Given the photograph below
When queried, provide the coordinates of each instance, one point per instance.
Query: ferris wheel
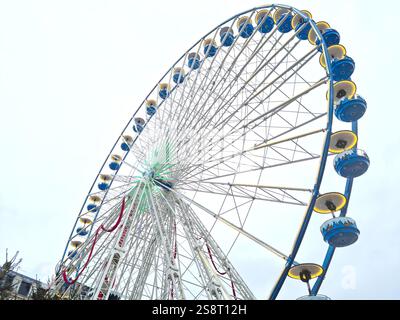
(223, 165)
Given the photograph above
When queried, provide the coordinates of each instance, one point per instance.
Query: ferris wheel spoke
(140, 233)
(277, 135)
(99, 246)
(301, 125)
(300, 76)
(175, 104)
(248, 80)
(209, 69)
(248, 190)
(256, 121)
(127, 179)
(221, 64)
(204, 74)
(172, 270)
(225, 189)
(192, 170)
(307, 57)
(270, 142)
(107, 206)
(251, 170)
(225, 263)
(248, 61)
(135, 283)
(140, 284)
(83, 250)
(206, 277)
(135, 247)
(282, 92)
(233, 114)
(96, 265)
(191, 158)
(229, 224)
(190, 237)
(113, 192)
(133, 167)
(186, 213)
(228, 102)
(229, 70)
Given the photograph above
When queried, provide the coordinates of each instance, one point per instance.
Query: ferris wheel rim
(270, 6)
(330, 112)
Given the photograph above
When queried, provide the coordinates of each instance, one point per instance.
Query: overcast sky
(72, 73)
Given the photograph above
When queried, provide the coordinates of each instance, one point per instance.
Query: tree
(6, 276)
(40, 293)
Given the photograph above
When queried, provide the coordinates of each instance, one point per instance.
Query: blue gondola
(322, 26)
(193, 60)
(340, 232)
(264, 19)
(151, 107)
(343, 69)
(127, 143)
(305, 29)
(103, 186)
(227, 36)
(352, 163)
(104, 182)
(210, 48)
(350, 110)
(245, 27)
(138, 125)
(72, 254)
(348, 105)
(331, 37)
(342, 66)
(82, 232)
(178, 75)
(283, 19)
(91, 207)
(299, 22)
(164, 90)
(115, 162)
(114, 166)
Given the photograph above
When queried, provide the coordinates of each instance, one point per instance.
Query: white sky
(72, 73)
